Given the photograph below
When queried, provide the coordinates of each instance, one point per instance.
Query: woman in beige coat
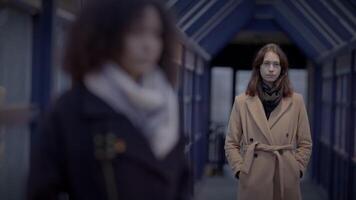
(268, 144)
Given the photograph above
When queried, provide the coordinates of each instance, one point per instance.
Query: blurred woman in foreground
(115, 134)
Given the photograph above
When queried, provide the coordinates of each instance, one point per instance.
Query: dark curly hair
(96, 36)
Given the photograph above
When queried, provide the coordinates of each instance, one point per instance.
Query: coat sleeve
(233, 139)
(303, 137)
(46, 179)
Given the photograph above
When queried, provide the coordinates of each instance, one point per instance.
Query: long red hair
(282, 82)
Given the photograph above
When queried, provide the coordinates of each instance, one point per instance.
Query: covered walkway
(319, 37)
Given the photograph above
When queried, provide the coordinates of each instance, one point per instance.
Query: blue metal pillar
(234, 79)
(332, 133)
(317, 115)
(42, 55)
(193, 121)
(352, 127)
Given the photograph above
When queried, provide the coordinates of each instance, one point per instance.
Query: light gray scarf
(150, 105)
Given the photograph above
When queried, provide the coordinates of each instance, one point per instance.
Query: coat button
(251, 139)
(255, 155)
(280, 151)
(287, 135)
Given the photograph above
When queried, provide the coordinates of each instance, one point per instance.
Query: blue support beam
(347, 48)
(317, 27)
(331, 186)
(192, 127)
(263, 11)
(42, 55)
(349, 5)
(351, 166)
(322, 36)
(205, 17)
(322, 9)
(224, 32)
(262, 25)
(263, 19)
(303, 41)
(353, 2)
(345, 13)
(180, 8)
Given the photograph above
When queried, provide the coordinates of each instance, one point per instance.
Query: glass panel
(189, 60)
(327, 70)
(299, 80)
(343, 64)
(15, 76)
(242, 79)
(14, 161)
(200, 66)
(221, 95)
(15, 55)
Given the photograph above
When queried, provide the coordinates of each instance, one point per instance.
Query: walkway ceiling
(320, 28)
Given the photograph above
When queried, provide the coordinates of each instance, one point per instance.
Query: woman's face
(270, 69)
(142, 45)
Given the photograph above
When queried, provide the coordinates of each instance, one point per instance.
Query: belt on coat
(275, 149)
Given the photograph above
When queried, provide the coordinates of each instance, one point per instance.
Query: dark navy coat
(90, 152)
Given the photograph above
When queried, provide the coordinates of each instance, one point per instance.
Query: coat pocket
(291, 170)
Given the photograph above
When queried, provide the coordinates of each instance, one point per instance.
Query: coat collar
(257, 112)
(94, 107)
(279, 111)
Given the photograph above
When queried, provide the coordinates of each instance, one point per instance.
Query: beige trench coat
(269, 154)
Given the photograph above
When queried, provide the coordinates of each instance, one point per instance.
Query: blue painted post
(352, 126)
(206, 109)
(234, 79)
(42, 55)
(316, 172)
(332, 134)
(193, 125)
(207, 81)
(181, 95)
(42, 61)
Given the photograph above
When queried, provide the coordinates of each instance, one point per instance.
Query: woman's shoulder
(241, 98)
(68, 102)
(297, 97)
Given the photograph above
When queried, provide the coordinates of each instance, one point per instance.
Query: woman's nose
(271, 68)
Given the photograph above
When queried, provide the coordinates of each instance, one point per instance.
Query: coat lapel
(257, 112)
(279, 111)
